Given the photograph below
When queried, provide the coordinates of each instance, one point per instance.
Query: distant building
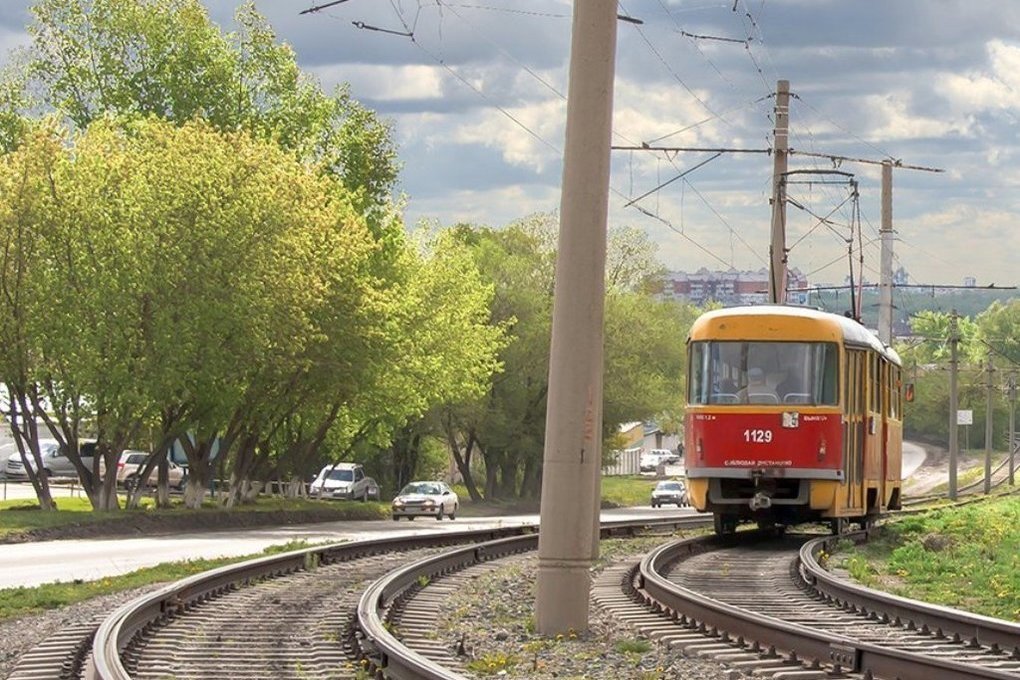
(732, 287)
(970, 282)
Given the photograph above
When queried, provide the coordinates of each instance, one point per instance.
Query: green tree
(90, 58)
(114, 63)
(644, 351)
(181, 269)
(24, 204)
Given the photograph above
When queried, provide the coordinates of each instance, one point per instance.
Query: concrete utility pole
(572, 459)
(885, 286)
(988, 428)
(954, 439)
(780, 157)
(1011, 393)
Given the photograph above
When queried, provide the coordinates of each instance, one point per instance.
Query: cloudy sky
(477, 105)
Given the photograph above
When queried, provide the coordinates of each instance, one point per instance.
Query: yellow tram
(793, 415)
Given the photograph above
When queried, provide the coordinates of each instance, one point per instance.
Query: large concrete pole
(885, 314)
(780, 153)
(572, 459)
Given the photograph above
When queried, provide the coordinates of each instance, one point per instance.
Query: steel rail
(391, 657)
(117, 631)
(120, 628)
(843, 654)
(384, 651)
(940, 621)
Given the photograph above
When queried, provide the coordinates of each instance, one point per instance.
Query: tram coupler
(760, 501)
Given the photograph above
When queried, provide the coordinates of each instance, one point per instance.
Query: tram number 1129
(758, 436)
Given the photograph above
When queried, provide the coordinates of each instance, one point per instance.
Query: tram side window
(873, 381)
(697, 372)
(897, 391)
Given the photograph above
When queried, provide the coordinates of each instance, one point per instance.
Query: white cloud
(532, 140)
(494, 207)
(895, 121)
(998, 88)
(643, 113)
(385, 83)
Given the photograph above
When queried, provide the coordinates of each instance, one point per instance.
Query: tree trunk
(463, 463)
(531, 480)
(162, 483)
(26, 437)
(251, 491)
(508, 478)
(405, 448)
(491, 477)
(240, 476)
(194, 492)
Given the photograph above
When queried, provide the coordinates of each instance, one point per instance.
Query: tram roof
(852, 331)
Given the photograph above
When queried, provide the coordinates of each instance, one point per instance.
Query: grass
(21, 516)
(966, 557)
(627, 491)
(974, 473)
(632, 646)
(25, 601)
(617, 491)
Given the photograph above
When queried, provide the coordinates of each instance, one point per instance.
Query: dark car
(669, 493)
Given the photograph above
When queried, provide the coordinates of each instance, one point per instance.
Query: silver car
(669, 493)
(425, 499)
(55, 462)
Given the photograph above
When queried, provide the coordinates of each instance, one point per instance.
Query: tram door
(874, 455)
(854, 432)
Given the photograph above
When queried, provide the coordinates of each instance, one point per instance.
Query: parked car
(669, 456)
(130, 465)
(425, 499)
(669, 492)
(55, 462)
(346, 481)
(649, 461)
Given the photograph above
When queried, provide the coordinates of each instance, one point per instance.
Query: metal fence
(626, 462)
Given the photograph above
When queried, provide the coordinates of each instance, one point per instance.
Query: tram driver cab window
(758, 391)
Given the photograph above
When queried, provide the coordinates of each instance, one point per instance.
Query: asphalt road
(29, 564)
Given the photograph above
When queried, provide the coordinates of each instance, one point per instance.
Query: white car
(345, 481)
(651, 460)
(425, 499)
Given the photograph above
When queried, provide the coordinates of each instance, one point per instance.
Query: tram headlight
(821, 450)
(699, 447)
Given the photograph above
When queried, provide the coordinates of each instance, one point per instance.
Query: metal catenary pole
(1012, 423)
(572, 457)
(954, 438)
(990, 387)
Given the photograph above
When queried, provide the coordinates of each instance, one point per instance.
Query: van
(55, 462)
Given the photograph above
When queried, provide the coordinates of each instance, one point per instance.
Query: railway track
(363, 610)
(767, 596)
(319, 612)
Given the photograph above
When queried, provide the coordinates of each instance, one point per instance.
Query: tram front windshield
(763, 373)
